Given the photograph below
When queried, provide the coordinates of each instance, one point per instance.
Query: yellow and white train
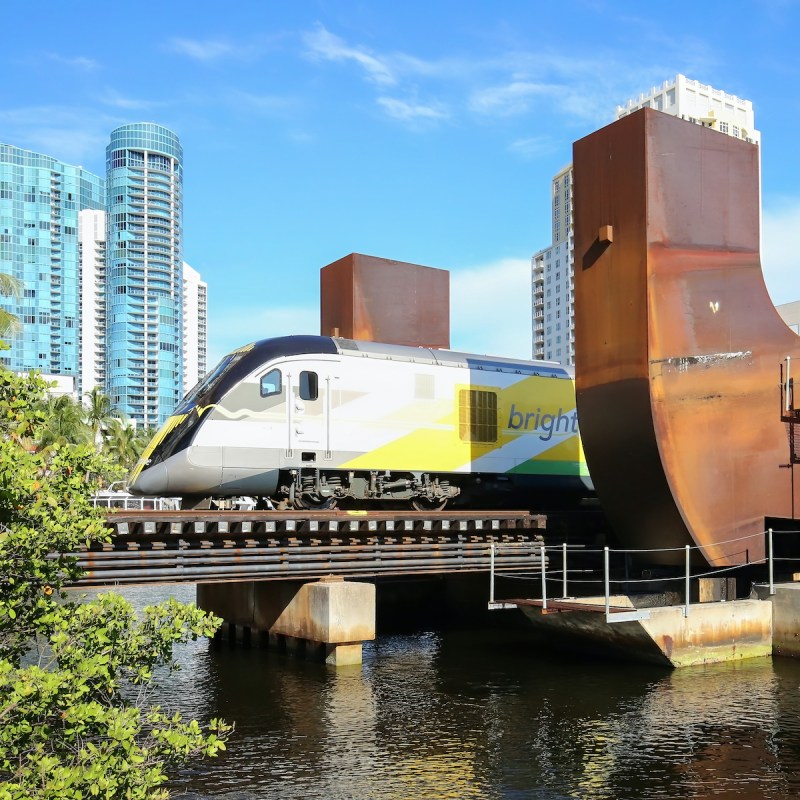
(312, 421)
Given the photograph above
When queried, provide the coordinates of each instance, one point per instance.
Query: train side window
(271, 383)
(309, 386)
(477, 415)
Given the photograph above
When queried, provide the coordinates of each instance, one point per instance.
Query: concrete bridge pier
(327, 619)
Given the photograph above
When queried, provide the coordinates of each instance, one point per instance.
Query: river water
(486, 715)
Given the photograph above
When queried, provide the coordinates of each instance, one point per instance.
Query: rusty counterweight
(677, 344)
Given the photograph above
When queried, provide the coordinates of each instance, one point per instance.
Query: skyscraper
(40, 198)
(552, 268)
(195, 327)
(144, 283)
(92, 253)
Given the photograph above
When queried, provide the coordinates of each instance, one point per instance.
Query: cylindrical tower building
(144, 291)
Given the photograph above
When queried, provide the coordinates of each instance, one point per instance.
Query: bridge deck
(207, 546)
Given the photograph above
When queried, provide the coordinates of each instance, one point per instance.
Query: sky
(425, 132)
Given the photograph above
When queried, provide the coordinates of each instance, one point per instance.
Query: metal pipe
(464, 550)
(543, 568)
(788, 383)
(197, 575)
(771, 566)
(606, 581)
(564, 570)
(491, 572)
(277, 564)
(688, 556)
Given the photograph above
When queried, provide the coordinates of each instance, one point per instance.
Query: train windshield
(213, 377)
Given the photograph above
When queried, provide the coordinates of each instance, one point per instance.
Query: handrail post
(544, 579)
(491, 573)
(686, 604)
(606, 582)
(564, 568)
(771, 566)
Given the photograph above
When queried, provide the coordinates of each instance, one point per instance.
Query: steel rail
(175, 546)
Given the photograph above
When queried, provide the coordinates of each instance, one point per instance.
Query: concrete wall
(332, 612)
(712, 633)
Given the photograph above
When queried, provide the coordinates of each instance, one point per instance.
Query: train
(316, 422)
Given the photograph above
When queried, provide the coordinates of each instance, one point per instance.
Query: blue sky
(423, 132)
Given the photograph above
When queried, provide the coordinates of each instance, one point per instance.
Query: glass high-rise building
(40, 198)
(144, 287)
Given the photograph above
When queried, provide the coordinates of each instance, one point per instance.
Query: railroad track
(209, 546)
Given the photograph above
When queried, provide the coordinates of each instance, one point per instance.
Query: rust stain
(677, 341)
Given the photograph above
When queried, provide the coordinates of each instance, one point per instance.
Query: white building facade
(552, 268)
(92, 253)
(195, 327)
(92, 248)
(554, 282)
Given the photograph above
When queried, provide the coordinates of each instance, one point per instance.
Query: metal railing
(129, 502)
(614, 613)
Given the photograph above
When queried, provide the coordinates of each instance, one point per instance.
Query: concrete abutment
(326, 619)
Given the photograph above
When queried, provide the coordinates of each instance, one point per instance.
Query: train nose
(151, 480)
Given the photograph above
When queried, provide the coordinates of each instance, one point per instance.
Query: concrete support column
(329, 618)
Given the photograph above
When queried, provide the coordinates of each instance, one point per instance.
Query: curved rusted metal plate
(677, 343)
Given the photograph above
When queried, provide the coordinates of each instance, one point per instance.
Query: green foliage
(74, 677)
(9, 287)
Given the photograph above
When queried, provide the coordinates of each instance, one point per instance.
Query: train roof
(244, 360)
(450, 358)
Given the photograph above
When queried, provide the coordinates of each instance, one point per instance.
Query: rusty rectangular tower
(379, 300)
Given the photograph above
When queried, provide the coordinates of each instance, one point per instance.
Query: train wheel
(312, 502)
(428, 504)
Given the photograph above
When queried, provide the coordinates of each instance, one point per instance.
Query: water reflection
(457, 715)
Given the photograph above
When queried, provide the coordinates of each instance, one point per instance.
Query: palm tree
(98, 414)
(65, 423)
(122, 442)
(9, 287)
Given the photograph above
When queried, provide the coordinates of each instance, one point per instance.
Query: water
(488, 715)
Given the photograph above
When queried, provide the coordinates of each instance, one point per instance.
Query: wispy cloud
(411, 112)
(508, 99)
(326, 46)
(207, 50)
(116, 100)
(532, 147)
(76, 135)
(500, 85)
(490, 308)
(79, 62)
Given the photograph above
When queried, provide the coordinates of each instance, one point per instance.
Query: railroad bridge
(282, 574)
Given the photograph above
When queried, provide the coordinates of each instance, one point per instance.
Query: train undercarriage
(313, 488)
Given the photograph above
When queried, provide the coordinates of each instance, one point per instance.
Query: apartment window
(736, 131)
(477, 415)
(723, 127)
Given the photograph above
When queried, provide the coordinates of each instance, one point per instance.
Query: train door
(309, 410)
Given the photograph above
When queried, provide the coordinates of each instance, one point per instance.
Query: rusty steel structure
(209, 546)
(677, 342)
(379, 300)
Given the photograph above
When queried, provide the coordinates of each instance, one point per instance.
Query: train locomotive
(315, 422)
